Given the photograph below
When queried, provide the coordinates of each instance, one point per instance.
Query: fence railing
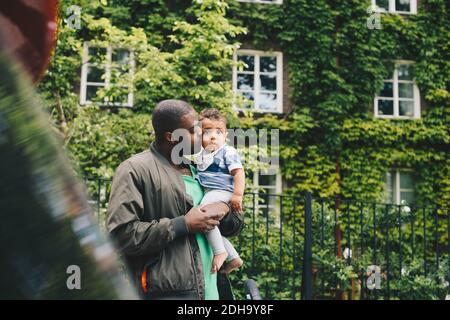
(304, 247)
(384, 251)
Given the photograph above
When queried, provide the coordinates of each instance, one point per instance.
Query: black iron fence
(313, 248)
(380, 251)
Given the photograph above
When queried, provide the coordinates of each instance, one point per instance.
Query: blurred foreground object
(50, 245)
(28, 33)
(46, 222)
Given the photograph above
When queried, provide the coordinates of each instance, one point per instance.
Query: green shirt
(195, 190)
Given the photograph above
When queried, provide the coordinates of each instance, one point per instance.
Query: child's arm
(239, 186)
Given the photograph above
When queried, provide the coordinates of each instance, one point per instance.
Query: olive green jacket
(146, 220)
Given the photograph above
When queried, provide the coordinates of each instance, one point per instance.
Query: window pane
(249, 61)
(403, 5)
(406, 180)
(406, 197)
(385, 107)
(404, 72)
(96, 55)
(405, 90)
(267, 179)
(268, 64)
(245, 82)
(91, 93)
(121, 56)
(406, 108)
(268, 82)
(268, 101)
(388, 90)
(95, 74)
(383, 4)
(390, 187)
(248, 95)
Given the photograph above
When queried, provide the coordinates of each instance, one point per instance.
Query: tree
(100, 138)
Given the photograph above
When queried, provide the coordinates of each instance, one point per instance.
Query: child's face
(214, 134)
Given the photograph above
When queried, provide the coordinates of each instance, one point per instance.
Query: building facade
(361, 89)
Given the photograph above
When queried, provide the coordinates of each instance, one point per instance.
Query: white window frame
(397, 184)
(393, 10)
(278, 188)
(272, 209)
(257, 84)
(263, 1)
(84, 74)
(395, 81)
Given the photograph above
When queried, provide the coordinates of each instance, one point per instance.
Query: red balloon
(28, 33)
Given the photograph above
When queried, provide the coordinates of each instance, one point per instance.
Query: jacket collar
(164, 160)
(172, 171)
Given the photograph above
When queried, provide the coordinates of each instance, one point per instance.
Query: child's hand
(236, 203)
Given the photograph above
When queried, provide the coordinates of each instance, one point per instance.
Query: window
(267, 184)
(399, 97)
(263, 1)
(260, 80)
(400, 187)
(107, 68)
(397, 6)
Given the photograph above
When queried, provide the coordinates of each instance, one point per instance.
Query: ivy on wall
(331, 143)
(336, 67)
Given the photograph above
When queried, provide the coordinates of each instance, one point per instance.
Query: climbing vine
(331, 143)
(336, 66)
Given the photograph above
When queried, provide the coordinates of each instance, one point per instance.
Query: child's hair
(212, 114)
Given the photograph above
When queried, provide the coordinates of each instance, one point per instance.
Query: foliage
(103, 138)
(193, 70)
(336, 67)
(331, 144)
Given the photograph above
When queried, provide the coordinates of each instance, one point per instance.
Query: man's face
(189, 133)
(214, 134)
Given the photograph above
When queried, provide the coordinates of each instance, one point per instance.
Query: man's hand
(198, 220)
(236, 203)
(217, 209)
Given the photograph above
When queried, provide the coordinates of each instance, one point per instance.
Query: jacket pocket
(143, 277)
(174, 270)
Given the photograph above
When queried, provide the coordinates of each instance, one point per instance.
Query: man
(153, 219)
